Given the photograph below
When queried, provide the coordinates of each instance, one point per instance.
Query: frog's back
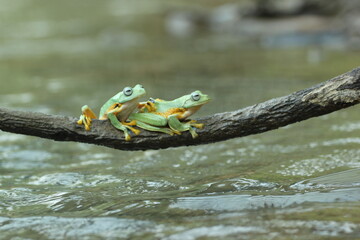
(165, 106)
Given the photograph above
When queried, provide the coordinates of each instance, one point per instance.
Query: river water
(298, 182)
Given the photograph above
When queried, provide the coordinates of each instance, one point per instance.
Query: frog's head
(130, 93)
(195, 99)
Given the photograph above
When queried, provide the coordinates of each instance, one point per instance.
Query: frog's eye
(195, 96)
(127, 91)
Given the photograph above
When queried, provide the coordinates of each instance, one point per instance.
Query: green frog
(169, 116)
(117, 109)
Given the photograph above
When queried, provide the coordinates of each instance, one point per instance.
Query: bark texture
(337, 93)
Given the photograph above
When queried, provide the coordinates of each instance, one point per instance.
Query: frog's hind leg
(190, 126)
(156, 129)
(86, 117)
(123, 126)
(152, 122)
(131, 123)
(115, 122)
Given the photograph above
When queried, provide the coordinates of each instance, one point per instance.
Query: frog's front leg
(123, 126)
(190, 126)
(148, 106)
(152, 122)
(86, 117)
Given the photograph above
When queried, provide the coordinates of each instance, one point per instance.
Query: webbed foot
(150, 106)
(190, 126)
(131, 123)
(193, 132)
(86, 117)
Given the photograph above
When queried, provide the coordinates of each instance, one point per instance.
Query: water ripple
(74, 228)
(72, 179)
(214, 231)
(308, 167)
(349, 178)
(247, 202)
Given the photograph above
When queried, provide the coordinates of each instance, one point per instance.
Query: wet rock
(352, 20)
(275, 23)
(278, 8)
(314, 27)
(323, 7)
(271, 8)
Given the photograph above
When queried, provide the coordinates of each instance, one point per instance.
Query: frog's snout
(207, 98)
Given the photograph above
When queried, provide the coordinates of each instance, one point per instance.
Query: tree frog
(117, 109)
(157, 114)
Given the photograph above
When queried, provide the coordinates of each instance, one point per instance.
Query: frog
(170, 116)
(117, 109)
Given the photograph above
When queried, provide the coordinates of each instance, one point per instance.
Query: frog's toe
(197, 125)
(80, 121)
(193, 132)
(127, 136)
(131, 123)
(175, 132)
(88, 120)
(86, 117)
(150, 106)
(83, 120)
(87, 123)
(134, 130)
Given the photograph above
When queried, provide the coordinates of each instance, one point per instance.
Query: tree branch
(340, 92)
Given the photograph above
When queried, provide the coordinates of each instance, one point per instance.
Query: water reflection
(248, 202)
(349, 178)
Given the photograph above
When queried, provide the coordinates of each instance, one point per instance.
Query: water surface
(298, 181)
